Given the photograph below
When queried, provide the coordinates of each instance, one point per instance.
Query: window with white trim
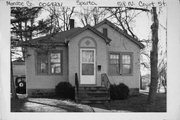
(120, 63)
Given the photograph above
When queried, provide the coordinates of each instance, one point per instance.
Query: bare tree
(162, 75)
(13, 88)
(91, 15)
(58, 19)
(162, 66)
(154, 51)
(154, 58)
(124, 18)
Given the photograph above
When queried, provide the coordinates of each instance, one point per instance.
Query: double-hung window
(114, 65)
(120, 63)
(55, 63)
(49, 63)
(42, 63)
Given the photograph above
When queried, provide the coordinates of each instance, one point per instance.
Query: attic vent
(105, 32)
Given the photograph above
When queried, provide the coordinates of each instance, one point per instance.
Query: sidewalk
(100, 110)
(105, 110)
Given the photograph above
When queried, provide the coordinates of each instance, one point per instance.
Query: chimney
(105, 32)
(71, 23)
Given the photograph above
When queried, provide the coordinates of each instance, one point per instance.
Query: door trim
(80, 67)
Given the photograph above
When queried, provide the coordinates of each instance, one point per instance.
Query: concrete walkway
(100, 109)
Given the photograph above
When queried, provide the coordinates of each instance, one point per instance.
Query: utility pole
(154, 57)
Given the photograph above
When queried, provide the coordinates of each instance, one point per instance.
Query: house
(89, 53)
(18, 68)
(145, 79)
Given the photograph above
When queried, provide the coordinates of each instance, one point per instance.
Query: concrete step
(95, 94)
(93, 91)
(92, 88)
(94, 100)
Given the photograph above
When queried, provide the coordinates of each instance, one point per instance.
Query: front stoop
(93, 95)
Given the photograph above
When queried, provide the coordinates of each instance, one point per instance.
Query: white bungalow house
(96, 54)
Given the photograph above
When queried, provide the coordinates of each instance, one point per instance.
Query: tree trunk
(154, 59)
(13, 89)
(141, 87)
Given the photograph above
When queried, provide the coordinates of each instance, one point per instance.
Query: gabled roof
(62, 38)
(95, 31)
(58, 38)
(65, 36)
(105, 21)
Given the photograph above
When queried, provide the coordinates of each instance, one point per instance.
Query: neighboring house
(18, 68)
(145, 79)
(89, 52)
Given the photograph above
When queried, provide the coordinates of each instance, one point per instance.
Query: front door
(87, 66)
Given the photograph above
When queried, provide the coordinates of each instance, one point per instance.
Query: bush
(65, 90)
(119, 92)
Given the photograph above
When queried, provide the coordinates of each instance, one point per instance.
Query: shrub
(65, 90)
(119, 92)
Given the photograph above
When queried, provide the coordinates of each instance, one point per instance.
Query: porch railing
(105, 80)
(76, 86)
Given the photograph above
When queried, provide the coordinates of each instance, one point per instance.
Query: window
(114, 67)
(42, 63)
(49, 62)
(55, 61)
(120, 63)
(87, 62)
(126, 64)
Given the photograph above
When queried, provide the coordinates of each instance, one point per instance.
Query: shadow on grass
(136, 104)
(17, 105)
(132, 104)
(68, 108)
(44, 106)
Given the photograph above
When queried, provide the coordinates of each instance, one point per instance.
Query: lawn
(135, 104)
(132, 104)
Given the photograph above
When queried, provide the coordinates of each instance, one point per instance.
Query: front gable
(92, 30)
(87, 39)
